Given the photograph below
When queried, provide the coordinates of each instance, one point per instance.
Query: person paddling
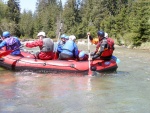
(64, 38)
(104, 48)
(45, 44)
(82, 56)
(11, 43)
(69, 50)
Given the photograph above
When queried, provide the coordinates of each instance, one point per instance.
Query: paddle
(89, 54)
(5, 53)
(55, 55)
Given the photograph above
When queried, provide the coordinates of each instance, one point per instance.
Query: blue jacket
(11, 43)
(60, 46)
(70, 48)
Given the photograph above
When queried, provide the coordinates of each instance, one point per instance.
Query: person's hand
(90, 58)
(24, 44)
(92, 53)
(88, 33)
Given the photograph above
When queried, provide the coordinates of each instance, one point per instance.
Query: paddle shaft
(89, 54)
(8, 52)
(57, 40)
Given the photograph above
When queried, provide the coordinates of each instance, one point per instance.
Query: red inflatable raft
(28, 62)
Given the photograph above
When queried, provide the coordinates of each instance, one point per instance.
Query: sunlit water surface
(126, 91)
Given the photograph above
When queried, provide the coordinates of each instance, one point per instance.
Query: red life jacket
(110, 48)
(108, 51)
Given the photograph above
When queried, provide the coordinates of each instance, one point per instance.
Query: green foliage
(71, 16)
(13, 11)
(46, 17)
(141, 25)
(7, 25)
(2, 15)
(127, 21)
(26, 19)
(128, 38)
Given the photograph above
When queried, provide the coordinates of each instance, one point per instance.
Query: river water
(126, 91)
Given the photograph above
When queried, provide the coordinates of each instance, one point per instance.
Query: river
(126, 91)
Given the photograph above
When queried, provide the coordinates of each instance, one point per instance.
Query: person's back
(11, 43)
(69, 51)
(48, 45)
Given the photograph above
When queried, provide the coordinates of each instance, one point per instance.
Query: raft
(28, 62)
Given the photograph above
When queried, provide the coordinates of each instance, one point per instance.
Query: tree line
(126, 21)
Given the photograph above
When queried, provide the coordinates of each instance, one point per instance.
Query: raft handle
(44, 64)
(72, 66)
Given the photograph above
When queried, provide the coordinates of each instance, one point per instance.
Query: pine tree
(141, 26)
(26, 24)
(71, 16)
(13, 10)
(3, 8)
(46, 17)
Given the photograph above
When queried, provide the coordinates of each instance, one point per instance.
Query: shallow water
(126, 91)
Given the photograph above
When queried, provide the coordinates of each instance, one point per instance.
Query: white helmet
(41, 34)
(106, 35)
(72, 37)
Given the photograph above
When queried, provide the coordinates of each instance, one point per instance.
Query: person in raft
(82, 56)
(64, 38)
(69, 50)
(96, 40)
(46, 46)
(104, 48)
(11, 43)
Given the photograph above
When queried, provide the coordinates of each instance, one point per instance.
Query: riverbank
(144, 46)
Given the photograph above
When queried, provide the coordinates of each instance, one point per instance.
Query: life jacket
(108, 51)
(69, 48)
(12, 43)
(48, 45)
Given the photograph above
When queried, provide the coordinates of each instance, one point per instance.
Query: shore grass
(145, 46)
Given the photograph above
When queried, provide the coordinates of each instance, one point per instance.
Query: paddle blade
(5, 53)
(90, 73)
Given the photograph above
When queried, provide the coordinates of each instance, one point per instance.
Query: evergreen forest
(126, 21)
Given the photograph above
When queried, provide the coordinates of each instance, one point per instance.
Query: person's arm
(100, 50)
(59, 48)
(2, 44)
(76, 51)
(34, 44)
(93, 40)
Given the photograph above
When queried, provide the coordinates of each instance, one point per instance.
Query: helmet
(101, 33)
(41, 34)
(63, 36)
(66, 37)
(72, 37)
(106, 35)
(6, 34)
(81, 54)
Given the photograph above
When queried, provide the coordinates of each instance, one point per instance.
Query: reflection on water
(126, 91)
